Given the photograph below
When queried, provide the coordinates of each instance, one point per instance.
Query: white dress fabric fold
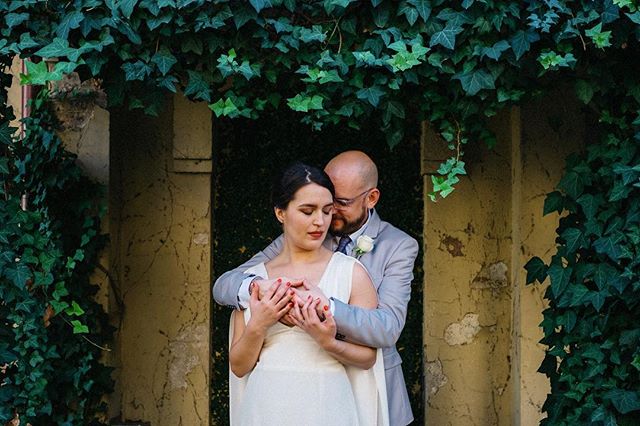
(296, 382)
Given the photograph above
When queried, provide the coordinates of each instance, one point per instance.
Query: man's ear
(279, 214)
(372, 198)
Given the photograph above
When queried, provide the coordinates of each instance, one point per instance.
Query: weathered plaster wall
(467, 291)
(481, 321)
(15, 91)
(551, 130)
(160, 222)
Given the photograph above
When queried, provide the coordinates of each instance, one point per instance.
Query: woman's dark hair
(295, 177)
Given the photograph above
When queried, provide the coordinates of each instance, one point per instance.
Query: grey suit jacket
(390, 265)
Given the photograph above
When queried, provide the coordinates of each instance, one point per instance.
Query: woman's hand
(306, 317)
(269, 309)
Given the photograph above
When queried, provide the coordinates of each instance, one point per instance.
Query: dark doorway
(246, 154)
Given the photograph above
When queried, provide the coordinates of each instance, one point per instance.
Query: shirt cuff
(244, 297)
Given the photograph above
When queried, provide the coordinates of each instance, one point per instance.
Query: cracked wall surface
(550, 132)
(481, 321)
(161, 257)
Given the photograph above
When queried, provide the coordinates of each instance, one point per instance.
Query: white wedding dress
(296, 382)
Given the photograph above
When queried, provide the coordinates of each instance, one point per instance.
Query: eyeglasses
(343, 203)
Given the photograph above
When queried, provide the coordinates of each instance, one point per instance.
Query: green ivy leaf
(584, 90)
(6, 133)
(224, 108)
(380, 16)
(635, 17)
(597, 298)
(423, 7)
(341, 3)
(314, 34)
(474, 81)
(572, 184)
(126, 7)
(74, 309)
(609, 245)
(56, 49)
(559, 277)
(19, 275)
(625, 401)
(258, 5)
(136, 70)
(305, 103)
(242, 14)
(574, 239)
(553, 203)
(70, 21)
(79, 328)
(410, 12)
(396, 109)
(600, 38)
(164, 60)
(15, 19)
(536, 270)
(494, 52)
(445, 37)
(578, 295)
(59, 292)
(198, 86)
(521, 43)
(589, 204)
(371, 94)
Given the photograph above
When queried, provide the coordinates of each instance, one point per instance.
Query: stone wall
(480, 320)
(160, 253)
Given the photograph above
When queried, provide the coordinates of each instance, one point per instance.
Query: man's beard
(348, 227)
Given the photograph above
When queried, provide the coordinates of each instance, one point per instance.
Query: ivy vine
(454, 64)
(53, 333)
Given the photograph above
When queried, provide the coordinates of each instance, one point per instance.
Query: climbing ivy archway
(333, 61)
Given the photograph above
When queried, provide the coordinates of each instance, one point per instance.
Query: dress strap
(337, 278)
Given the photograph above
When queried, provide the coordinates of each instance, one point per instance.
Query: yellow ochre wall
(160, 208)
(480, 320)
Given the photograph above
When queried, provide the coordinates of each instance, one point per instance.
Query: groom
(389, 262)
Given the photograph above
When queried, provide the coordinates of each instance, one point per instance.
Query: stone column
(481, 321)
(467, 293)
(551, 129)
(161, 224)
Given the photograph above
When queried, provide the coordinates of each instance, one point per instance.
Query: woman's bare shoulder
(363, 293)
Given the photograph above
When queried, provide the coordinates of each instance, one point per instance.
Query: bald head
(355, 167)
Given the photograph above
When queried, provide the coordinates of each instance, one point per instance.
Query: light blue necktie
(342, 245)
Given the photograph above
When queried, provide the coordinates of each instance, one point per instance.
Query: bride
(284, 375)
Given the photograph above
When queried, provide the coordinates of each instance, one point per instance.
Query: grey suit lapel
(371, 229)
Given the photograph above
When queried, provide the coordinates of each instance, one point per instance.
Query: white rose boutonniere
(364, 244)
